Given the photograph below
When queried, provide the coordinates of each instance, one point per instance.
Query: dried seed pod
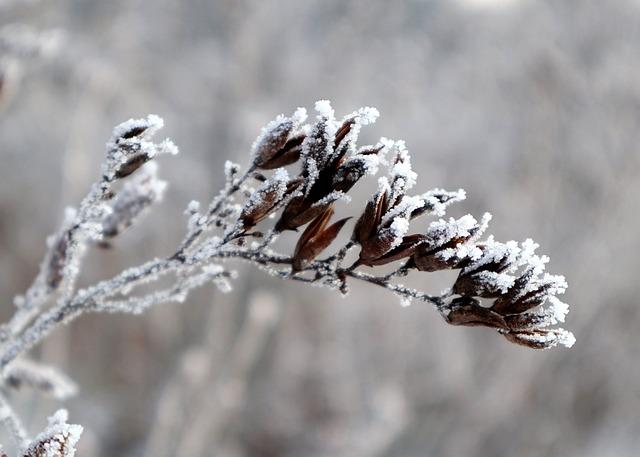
(449, 243)
(343, 131)
(527, 321)
(267, 198)
(436, 201)
(287, 155)
(401, 177)
(130, 147)
(375, 248)
(381, 229)
(540, 338)
(327, 171)
(369, 221)
(485, 284)
(134, 162)
(468, 311)
(272, 140)
(299, 212)
(316, 150)
(383, 225)
(316, 238)
(348, 174)
(277, 139)
(533, 293)
(405, 249)
(59, 439)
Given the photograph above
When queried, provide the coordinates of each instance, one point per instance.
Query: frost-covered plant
(298, 172)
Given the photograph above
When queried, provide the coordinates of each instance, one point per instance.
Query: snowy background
(532, 107)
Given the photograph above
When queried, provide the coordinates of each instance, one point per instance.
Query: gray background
(532, 107)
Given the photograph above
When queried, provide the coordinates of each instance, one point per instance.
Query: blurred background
(533, 107)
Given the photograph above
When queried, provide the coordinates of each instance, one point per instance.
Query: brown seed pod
(316, 238)
(468, 312)
(267, 199)
(287, 155)
(132, 164)
(405, 249)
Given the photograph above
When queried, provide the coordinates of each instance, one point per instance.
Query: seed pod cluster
(331, 164)
(268, 198)
(512, 275)
(130, 147)
(523, 303)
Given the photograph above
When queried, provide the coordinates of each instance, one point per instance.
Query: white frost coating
(274, 188)
(529, 259)
(280, 175)
(216, 273)
(334, 196)
(69, 215)
(44, 378)
(439, 199)
(494, 252)
(193, 207)
(356, 167)
(59, 439)
(397, 220)
(277, 127)
(402, 175)
(321, 134)
(557, 283)
(566, 338)
(140, 132)
(442, 231)
(148, 179)
(231, 168)
(371, 163)
(138, 193)
(152, 124)
(324, 109)
(299, 116)
(558, 308)
(363, 116)
(550, 338)
(383, 185)
(403, 209)
(367, 115)
(399, 227)
(492, 281)
(482, 227)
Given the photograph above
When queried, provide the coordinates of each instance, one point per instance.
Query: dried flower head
(59, 439)
(501, 286)
(130, 147)
(331, 165)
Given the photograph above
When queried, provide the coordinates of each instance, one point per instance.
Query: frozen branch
(523, 300)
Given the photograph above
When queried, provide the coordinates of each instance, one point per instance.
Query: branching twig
(524, 301)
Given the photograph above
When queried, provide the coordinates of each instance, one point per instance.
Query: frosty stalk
(299, 172)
